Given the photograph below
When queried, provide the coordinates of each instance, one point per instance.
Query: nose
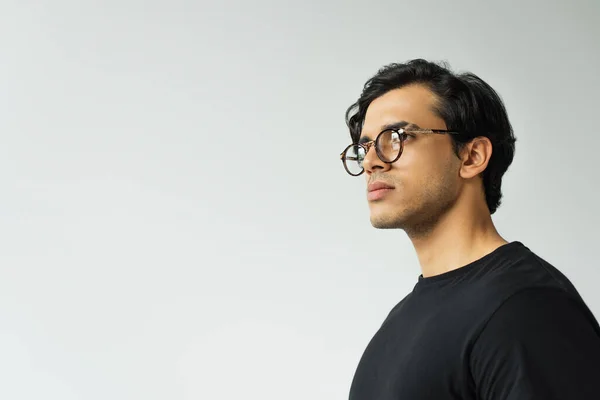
(372, 162)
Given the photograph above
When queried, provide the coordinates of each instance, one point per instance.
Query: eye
(401, 136)
(396, 139)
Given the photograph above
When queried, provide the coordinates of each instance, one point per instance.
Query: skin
(438, 197)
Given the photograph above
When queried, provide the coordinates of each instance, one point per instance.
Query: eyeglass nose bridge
(368, 145)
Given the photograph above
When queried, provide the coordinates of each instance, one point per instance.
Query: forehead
(413, 104)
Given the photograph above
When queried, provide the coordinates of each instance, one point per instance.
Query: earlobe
(475, 157)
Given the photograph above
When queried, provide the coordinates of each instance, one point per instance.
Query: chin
(382, 220)
(391, 215)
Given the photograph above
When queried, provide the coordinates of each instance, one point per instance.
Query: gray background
(175, 222)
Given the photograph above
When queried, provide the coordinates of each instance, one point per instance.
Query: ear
(475, 157)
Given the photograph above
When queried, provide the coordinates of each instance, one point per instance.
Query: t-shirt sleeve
(541, 344)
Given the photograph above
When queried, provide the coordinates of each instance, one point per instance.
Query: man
(488, 319)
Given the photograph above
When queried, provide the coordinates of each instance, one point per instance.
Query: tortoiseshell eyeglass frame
(403, 132)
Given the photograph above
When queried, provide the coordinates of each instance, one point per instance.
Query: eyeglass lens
(388, 147)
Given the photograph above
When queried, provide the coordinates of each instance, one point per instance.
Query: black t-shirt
(507, 326)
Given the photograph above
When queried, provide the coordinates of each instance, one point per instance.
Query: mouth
(378, 190)
(378, 194)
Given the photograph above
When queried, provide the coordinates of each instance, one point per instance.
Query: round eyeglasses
(389, 145)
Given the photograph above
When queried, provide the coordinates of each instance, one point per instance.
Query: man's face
(425, 178)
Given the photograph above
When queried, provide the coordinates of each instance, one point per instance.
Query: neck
(460, 237)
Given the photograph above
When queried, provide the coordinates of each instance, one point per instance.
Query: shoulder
(513, 270)
(513, 285)
(539, 341)
(523, 268)
(533, 310)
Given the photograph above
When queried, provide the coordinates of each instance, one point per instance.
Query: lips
(378, 186)
(378, 190)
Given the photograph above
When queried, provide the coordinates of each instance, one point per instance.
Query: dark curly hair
(466, 104)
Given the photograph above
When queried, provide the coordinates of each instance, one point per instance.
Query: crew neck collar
(422, 281)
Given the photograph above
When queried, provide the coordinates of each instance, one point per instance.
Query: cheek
(414, 166)
(419, 173)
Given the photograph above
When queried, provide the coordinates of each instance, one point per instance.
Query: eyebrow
(393, 125)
